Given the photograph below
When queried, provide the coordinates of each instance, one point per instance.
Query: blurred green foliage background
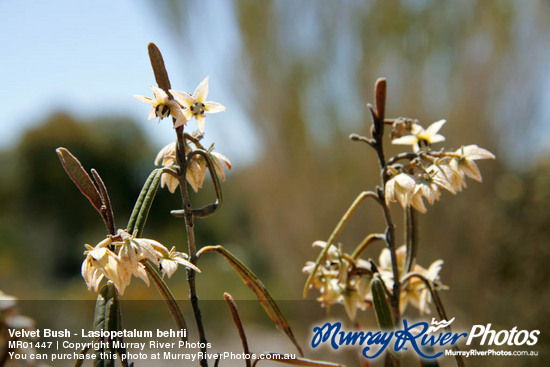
(304, 71)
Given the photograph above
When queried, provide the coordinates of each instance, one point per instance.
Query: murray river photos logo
(420, 337)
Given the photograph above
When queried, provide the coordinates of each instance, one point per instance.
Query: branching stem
(377, 130)
(191, 244)
(438, 306)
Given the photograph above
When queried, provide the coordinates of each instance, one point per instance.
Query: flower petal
(188, 114)
(418, 203)
(146, 100)
(437, 138)
(168, 149)
(474, 152)
(152, 114)
(168, 266)
(141, 273)
(200, 122)
(171, 182)
(193, 175)
(406, 140)
(219, 160)
(180, 121)
(470, 169)
(183, 98)
(160, 95)
(385, 259)
(182, 261)
(434, 128)
(406, 181)
(213, 107)
(202, 91)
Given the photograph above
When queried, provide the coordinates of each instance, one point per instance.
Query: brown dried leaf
(252, 281)
(80, 177)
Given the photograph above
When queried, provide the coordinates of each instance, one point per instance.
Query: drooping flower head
(400, 187)
(119, 257)
(341, 280)
(429, 172)
(196, 105)
(465, 162)
(196, 168)
(415, 291)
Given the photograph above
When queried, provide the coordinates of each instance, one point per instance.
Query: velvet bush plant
(110, 266)
(415, 180)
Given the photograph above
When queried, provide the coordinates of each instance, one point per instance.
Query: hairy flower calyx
(121, 256)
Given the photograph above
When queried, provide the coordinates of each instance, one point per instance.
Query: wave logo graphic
(436, 325)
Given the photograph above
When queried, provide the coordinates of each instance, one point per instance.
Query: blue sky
(89, 58)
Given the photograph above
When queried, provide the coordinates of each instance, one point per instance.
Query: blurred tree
(305, 70)
(48, 220)
(45, 221)
(304, 78)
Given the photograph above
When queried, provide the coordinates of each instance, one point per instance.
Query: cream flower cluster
(196, 170)
(119, 257)
(344, 280)
(426, 176)
(184, 106)
(415, 290)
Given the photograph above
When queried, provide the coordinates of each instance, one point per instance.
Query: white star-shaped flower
(163, 107)
(419, 136)
(196, 105)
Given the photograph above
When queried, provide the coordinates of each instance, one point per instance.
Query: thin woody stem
(191, 244)
(166, 295)
(390, 240)
(378, 113)
(161, 76)
(438, 306)
(194, 140)
(409, 156)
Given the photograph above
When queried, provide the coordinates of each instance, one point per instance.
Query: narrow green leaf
(381, 306)
(166, 294)
(147, 202)
(80, 177)
(238, 323)
(334, 235)
(295, 361)
(252, 281)
(144, 202)
(366, 243)
(106, 319)
(139, 201)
